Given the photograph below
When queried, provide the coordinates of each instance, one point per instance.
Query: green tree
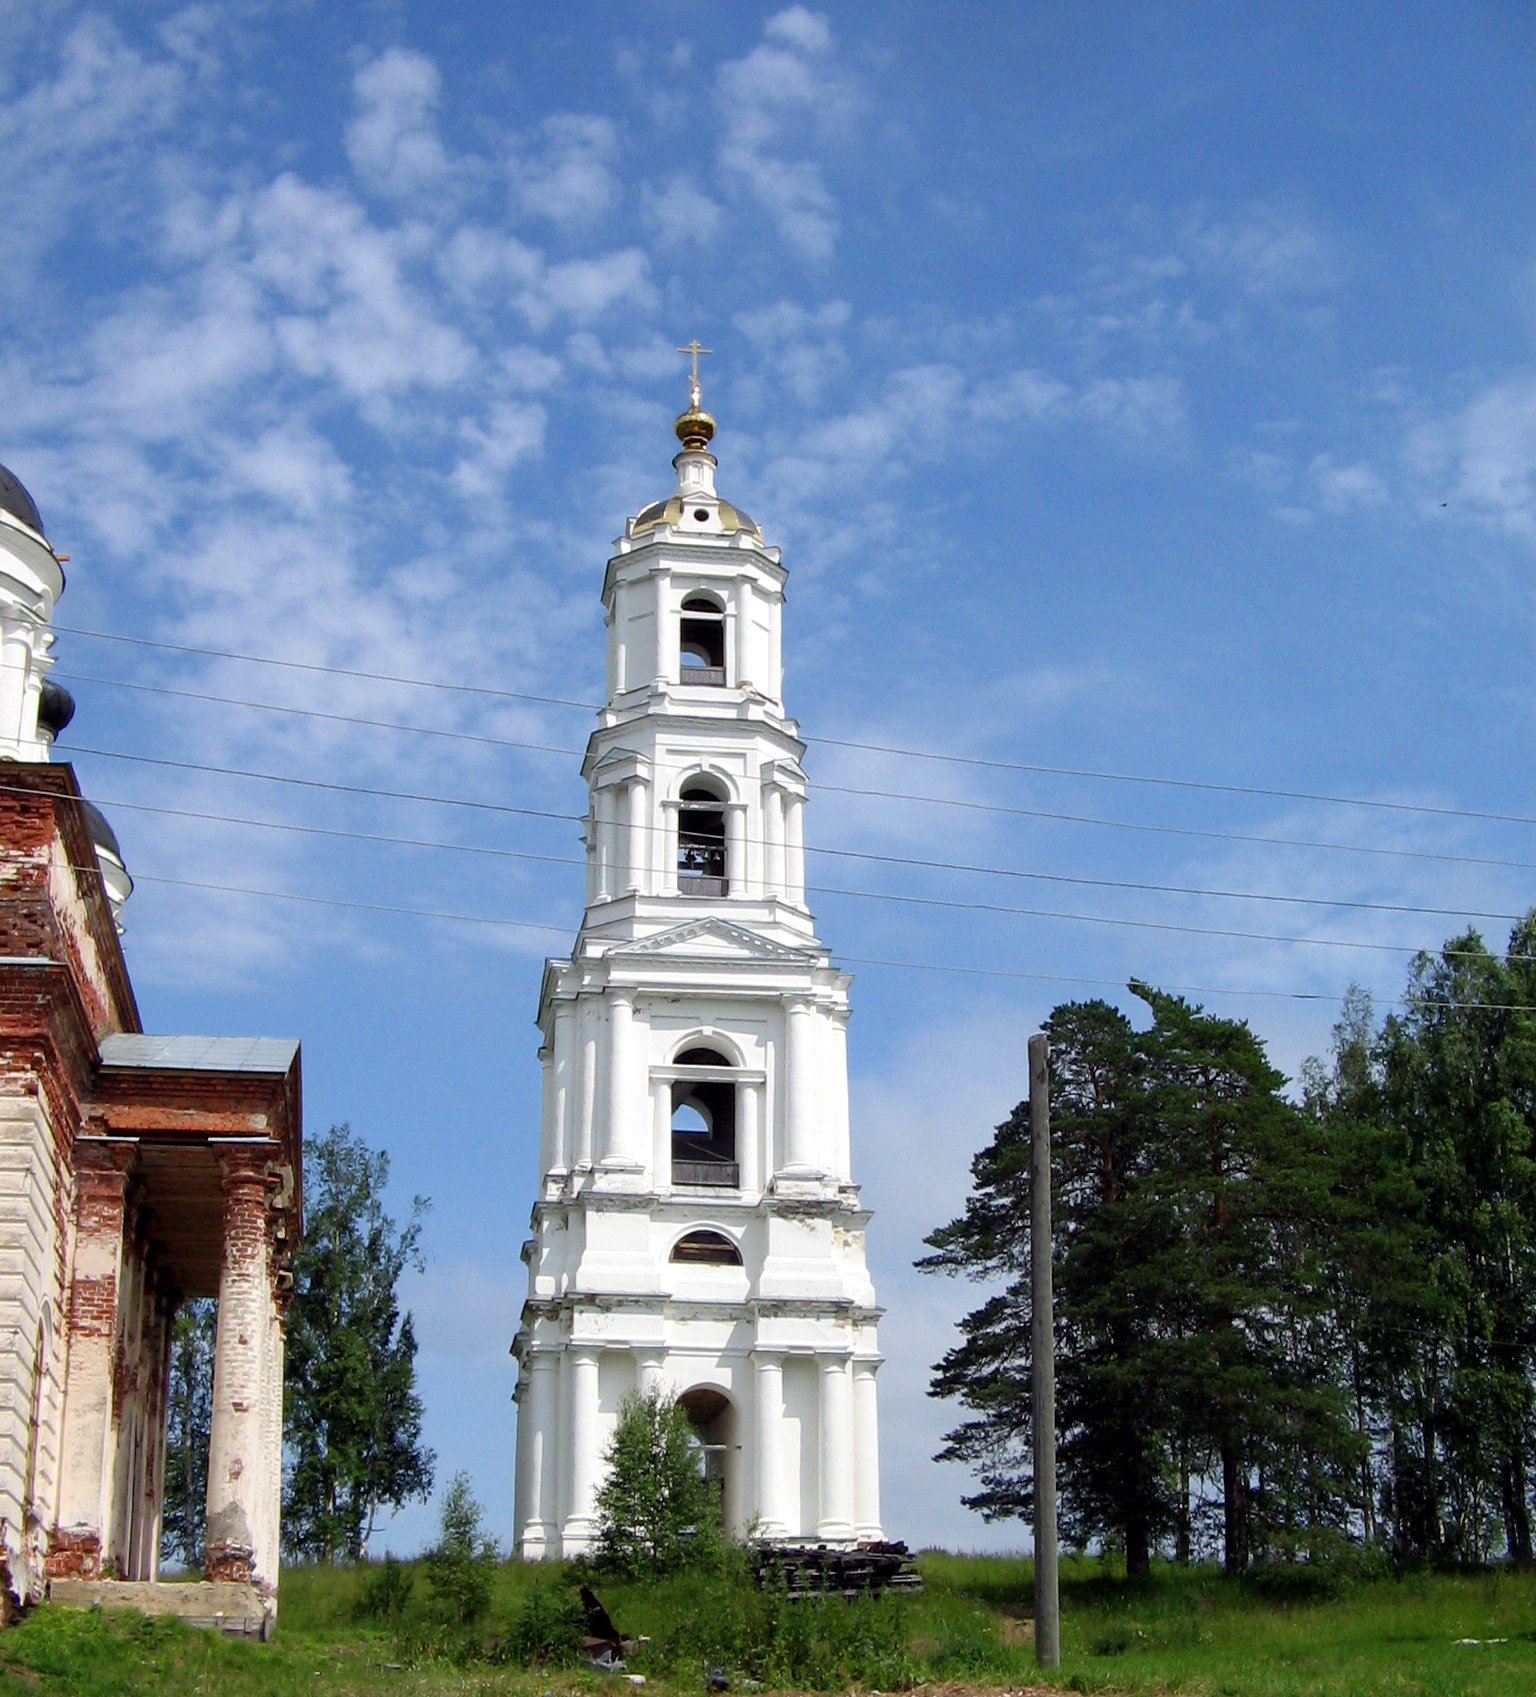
(462, 1564)
(656, 1511)
(1459, 1085)
(1192, 1213)
(188, 1422)
(1247, 1362)
(1109, 1248)
(353, 1417)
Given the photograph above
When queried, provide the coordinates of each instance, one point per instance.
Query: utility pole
(1043, 1356)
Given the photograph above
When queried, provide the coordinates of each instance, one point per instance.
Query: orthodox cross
(693, 349)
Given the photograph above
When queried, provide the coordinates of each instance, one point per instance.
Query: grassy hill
(1193, 1631)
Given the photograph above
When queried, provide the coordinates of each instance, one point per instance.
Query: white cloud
(681, 214)
(392, 138)
(773, 102)
(1482, 460)
(566, 175)
(1265, 250)
(1346, 488)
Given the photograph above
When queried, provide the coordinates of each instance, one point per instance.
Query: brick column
(238, 1463)
(89, 1445)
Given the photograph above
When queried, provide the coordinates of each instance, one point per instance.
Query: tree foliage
(353, 1417)
(188, 1423)
(1314, 1320)
(462, 1564)
(656, 1511)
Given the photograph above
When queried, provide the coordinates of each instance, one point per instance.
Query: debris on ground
(605, 1645)
(821, 1570)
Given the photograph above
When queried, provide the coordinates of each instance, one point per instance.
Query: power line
(854, 960)
(1053, 914)
(1127, 886)
(813, 889)
(1048, 814)
(1036, 769)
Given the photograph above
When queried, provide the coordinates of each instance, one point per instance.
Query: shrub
(550, 1627)
(385, 1594)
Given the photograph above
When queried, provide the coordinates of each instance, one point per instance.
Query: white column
(580, 1523)
(866, 1451)
(668, 867)
(586, 1084)
(647, 1370)
(661, 1135)
(836, 1444)
(794, 849)
(748, 1155)
(769, 1386)
(543, 1452)
(744, 634)
(637, 859)
(620, 1150)
(835, 1083)
(731, 655)
(607, 846)
(667, 632)
(549, 1129)
(536, 1413)
(526, 1484)
(773, 840)
(776, 652)
(736, 848)
(800, 1140)
(564, 1085)
(15, 656)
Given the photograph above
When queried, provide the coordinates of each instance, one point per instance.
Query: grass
(1189, 1631)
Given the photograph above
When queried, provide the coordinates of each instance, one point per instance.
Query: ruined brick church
(136, 1172)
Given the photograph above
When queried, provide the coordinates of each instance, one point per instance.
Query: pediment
(716, 939)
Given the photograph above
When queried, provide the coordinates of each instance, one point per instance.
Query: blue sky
(1137, 390)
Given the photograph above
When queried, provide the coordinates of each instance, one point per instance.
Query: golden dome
(694, 428)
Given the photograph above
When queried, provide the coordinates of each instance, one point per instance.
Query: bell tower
(697, 1225)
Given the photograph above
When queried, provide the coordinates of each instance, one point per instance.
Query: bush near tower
(657, 1513)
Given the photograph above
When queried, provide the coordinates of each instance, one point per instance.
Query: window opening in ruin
(701, 842)
(706, 1249)
(704, 1125)
(701, 641)
(710, 1414)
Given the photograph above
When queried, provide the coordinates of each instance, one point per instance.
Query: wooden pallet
(828, 1570)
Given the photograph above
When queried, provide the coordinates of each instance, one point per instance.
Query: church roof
(199, 1054)
(670, 511)
(17, 502)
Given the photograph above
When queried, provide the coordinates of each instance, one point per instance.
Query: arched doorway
(712, 1415)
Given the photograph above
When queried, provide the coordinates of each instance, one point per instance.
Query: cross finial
(694, 350)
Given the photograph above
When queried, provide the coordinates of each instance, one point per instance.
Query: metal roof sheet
(199, 1054)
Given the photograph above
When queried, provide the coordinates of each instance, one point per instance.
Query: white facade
(697, 994)
(31, 582)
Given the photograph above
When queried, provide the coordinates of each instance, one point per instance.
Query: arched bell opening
(712, 1415)
(701, 840)
(701, 641)
(704, 1123)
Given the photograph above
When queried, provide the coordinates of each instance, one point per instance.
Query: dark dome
(17, 502)
(101, 832)
(56, 707)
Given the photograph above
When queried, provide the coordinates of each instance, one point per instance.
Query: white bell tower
(697, 1224)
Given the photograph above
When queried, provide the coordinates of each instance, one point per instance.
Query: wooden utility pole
(1043, 1356)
